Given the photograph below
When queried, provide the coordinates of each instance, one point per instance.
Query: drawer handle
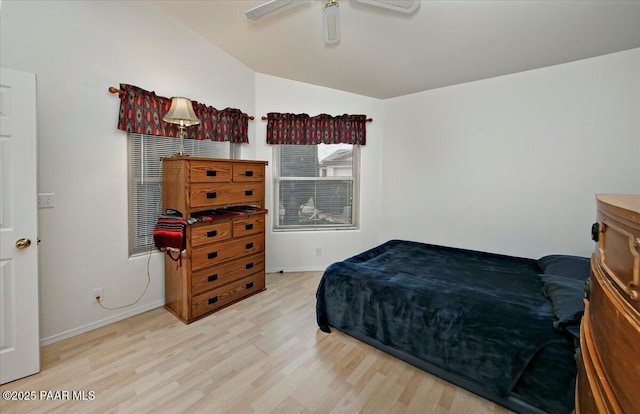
(212, 255)
(595, 232)
(211, 195)
(248, 265)
(248, 226)
(212, 300)
(249, 285)
(212, 173)
(248, 173)
(248, 193)
(248, 246)
(587, 288)
(212, 278)
(212, 233)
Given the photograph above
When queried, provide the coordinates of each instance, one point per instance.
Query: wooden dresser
(609, 366)
(224, 260)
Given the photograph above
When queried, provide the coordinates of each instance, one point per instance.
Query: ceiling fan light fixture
(402, 6)
(269, 7)
(331, 22)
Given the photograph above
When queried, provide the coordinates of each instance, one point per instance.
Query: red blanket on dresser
(169, 234)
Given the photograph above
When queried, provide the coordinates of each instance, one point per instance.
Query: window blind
(145, 153)
(316, 186)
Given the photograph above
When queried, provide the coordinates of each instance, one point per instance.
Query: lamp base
(181, 153)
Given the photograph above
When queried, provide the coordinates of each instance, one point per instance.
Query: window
(316, 186)
(145, 180)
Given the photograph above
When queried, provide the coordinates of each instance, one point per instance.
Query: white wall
(77, 50)
(297, 251)
(512, 164)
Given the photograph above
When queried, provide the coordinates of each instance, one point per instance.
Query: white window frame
(144, 153)
(355, 204)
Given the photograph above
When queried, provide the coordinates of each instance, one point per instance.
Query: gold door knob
(23, 243)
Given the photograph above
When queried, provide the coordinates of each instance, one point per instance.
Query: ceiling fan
(330, 12)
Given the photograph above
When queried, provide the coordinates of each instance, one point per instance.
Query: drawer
(211, 254)
(248, 172)
(615, 330)
(591, 388)
(210, 195)
(224, 295)
(210, 233)
(209, 172)
(618, 248)
(213, 277)
(249, 225)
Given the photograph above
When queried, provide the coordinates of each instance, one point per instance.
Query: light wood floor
(262, 355)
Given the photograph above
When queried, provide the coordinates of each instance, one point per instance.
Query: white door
(19, 332)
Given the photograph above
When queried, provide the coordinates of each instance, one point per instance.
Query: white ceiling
(383, 54)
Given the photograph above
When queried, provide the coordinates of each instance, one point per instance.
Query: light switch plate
(46, 200)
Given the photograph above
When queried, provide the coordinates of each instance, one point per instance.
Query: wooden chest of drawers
(609, 369)
(224, 258)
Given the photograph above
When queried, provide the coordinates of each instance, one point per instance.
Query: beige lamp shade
(181, 113)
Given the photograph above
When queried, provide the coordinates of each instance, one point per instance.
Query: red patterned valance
(302, 129)
(141, 112)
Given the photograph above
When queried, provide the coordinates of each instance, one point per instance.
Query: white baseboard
(99, 324)
(298, 269)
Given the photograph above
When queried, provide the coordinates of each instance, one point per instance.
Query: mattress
(477, 319)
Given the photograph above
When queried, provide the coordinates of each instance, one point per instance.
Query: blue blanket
(481, 317)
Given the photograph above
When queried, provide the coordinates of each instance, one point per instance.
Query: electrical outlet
(318, 251)
(97, 293)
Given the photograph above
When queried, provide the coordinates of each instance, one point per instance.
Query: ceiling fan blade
(269, 7)
(403, 6)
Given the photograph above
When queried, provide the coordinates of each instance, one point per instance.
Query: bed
(502, 327)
